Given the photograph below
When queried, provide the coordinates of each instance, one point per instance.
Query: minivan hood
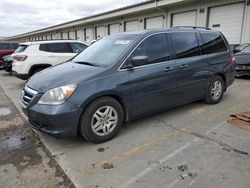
(61, 75)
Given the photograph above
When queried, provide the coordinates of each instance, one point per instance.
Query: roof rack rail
(192, 27)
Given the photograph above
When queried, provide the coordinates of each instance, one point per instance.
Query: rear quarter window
(56, 47)
(185, 44)
(212, 43)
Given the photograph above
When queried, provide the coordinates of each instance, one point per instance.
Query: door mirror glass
(139, 60)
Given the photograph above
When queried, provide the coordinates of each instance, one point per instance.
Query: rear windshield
(246, 49)
(8, 46)
(21, 48)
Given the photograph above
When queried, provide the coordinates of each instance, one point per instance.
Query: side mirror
(139, 60)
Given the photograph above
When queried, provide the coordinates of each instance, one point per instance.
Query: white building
(232, 17)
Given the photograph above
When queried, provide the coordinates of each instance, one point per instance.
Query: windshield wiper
(86, 63)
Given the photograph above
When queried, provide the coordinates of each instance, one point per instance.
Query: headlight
(57, 95)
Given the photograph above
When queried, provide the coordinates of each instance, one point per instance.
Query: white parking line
(149, 169)
(153, 166)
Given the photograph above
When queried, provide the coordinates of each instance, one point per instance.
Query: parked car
(239, 48)
(36, 56)
(8, 60)
(6, 48)
(127, 76)
(7, 65)
(243, 62)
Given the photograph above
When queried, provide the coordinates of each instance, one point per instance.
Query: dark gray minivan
(126, 76)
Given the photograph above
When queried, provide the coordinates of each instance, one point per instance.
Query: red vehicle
(6, 48)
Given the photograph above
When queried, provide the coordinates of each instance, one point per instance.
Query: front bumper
(21, 76)
(59, 121)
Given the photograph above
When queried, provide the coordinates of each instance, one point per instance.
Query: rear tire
(215, 91)
(101, 120)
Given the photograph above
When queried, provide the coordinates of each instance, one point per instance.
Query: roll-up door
(72, 35)
(80, 34)
(89, 34)
(132, 25)
(65, 35)
(184, 19)
(114, 28)
(154, 22)
(100, 32)
(228, 19)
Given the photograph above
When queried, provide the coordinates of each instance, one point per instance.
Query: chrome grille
(27, 95)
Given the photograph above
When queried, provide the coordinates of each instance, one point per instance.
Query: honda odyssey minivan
(127, 76)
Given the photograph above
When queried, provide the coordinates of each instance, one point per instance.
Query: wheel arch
(37, 66)
(116, 96)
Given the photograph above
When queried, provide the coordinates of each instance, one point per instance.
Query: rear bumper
(242, 72)
(7, 67)
(21, 76)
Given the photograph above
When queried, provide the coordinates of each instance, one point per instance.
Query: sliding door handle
(183, 66)
(168, 69)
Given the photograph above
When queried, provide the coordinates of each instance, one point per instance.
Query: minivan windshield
(105, 51)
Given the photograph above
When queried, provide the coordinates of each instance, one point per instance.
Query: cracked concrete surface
(24, 161)
(189, 146)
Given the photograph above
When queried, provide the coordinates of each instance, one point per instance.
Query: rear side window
(186, 44)
(156, 47)
(78, 47)
(56, 47)
(213, 43)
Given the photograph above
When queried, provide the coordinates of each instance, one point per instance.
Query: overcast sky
(18, 17)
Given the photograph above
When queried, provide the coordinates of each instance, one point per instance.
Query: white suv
(36, 56)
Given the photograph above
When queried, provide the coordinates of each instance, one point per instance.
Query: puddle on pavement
(4, 112)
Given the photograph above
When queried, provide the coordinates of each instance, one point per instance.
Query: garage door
(89, 34)
(100, 32)
(154, 23)
(55, 36)
(132, 25)
(114, 28)
(49, 37)
(80, 34)
(184, 19)
(65, 35)
(228, 19)
(72, 35)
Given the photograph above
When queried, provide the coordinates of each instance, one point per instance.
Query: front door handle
(183, 66)
(168, 69)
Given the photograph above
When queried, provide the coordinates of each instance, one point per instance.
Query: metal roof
(149, 4)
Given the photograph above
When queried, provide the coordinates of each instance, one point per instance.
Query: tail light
(234, 61)
(20, 57)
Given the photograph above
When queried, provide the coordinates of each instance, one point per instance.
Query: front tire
(101, 120)
(215, 91)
